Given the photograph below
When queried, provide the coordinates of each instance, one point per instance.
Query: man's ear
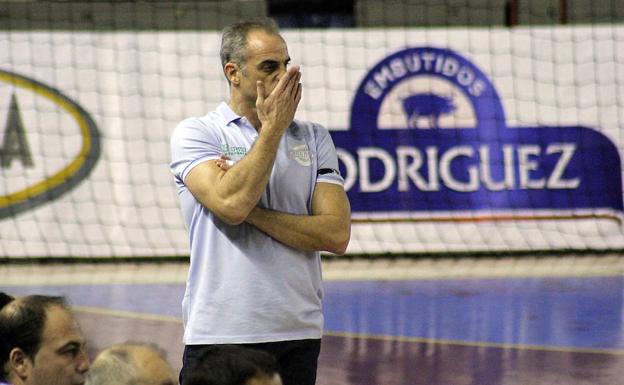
(232, 73)
(19, 365)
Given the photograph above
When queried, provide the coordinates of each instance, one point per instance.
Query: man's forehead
(61, 327)
(262, 45)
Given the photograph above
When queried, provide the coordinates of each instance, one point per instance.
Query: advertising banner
(449, 140)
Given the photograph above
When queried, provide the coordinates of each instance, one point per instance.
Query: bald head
(131, 364)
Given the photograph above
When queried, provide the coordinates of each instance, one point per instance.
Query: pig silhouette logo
(427, 107)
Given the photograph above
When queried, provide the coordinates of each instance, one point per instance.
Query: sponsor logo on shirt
(301, 154)
(233, 151)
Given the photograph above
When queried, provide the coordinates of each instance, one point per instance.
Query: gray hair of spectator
(112, 367)
(234, 39)
(115, 365)
(21, 325)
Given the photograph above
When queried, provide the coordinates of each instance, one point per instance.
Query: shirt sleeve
(327, 170)
(193, 141)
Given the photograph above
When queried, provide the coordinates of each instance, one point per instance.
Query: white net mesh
(75, 189)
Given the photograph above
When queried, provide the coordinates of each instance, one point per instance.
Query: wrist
(253, 215)
(274, 127)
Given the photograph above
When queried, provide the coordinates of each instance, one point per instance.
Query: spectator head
(131, 364)
(233, 365)
(40, 342)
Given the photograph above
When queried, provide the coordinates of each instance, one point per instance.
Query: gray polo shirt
(244, 286)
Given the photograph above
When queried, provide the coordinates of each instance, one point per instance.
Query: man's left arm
(327, 228)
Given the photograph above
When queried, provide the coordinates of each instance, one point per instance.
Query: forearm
(232, 192)
(324, 232)
(243, 184)
(246, 181)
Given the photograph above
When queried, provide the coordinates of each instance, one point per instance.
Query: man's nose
(83, 362)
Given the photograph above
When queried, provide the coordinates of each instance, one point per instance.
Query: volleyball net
(462, 128)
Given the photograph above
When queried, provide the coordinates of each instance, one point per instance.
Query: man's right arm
(233, 194)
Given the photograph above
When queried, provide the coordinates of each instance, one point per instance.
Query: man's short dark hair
(234, 38)
(5, 299)
(230, 365)
(21, 325)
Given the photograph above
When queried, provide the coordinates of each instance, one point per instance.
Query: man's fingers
(298, 94)
(281, 84)
(289, 88)
(297, 86)
(281, 103)
(294, 81)
(260, 91)
(286, 81)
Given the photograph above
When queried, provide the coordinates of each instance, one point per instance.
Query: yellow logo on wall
(48, 143)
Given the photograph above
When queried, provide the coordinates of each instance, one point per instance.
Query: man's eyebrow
(72, 345)
(268, 61)
(272, 61)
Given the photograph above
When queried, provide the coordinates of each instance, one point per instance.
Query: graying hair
(112, 367)
(115, 365)
(234, 38)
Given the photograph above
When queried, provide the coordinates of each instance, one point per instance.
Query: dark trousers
(297, 360)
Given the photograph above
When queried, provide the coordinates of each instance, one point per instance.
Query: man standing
(41, 343)
(261, 195)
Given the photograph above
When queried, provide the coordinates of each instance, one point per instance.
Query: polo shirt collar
(227, 113)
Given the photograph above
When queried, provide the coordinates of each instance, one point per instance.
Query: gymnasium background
(480, 141)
